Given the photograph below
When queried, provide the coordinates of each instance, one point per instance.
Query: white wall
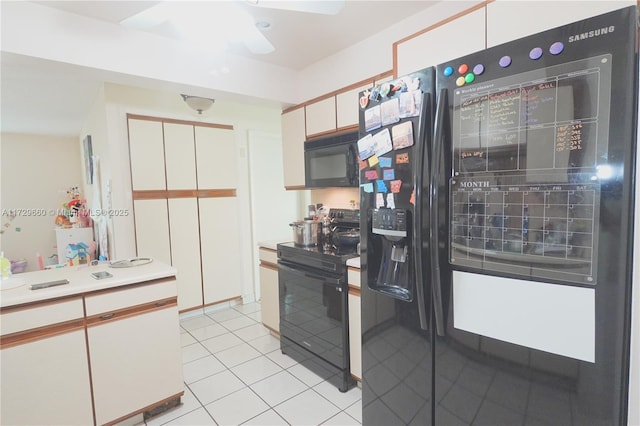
(96, 126)
(272, 207)
(36, 172)
(336, 198)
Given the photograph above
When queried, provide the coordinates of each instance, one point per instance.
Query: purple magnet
(478, 69)
(536, 53)
(556, 48)
(505, 61)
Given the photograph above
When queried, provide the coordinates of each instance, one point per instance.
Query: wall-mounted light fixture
(198, 103)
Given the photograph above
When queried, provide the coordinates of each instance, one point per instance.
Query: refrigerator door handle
(417, 217)
(434, 214)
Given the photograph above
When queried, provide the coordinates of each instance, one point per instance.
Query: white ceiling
(32, 87)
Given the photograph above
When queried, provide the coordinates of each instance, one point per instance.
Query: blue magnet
(385, 162)
(447, 71)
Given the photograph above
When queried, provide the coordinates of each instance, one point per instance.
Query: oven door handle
(310, 273)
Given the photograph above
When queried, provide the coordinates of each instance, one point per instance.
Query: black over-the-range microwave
(331, 161)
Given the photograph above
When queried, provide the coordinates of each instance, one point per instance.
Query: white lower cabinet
(98, 357)
(269, 292)
(355, 338)
(135, 362)
(185, 250)
(355, 332)
(46, 382)
(220, 249)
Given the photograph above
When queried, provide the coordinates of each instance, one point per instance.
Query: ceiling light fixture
(198, 103)
(263, 25)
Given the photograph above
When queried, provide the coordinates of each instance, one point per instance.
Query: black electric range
(313, 293)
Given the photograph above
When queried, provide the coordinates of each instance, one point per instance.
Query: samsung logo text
(592, 33)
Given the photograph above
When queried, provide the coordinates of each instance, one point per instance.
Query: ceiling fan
(325, 7)
(217, 24)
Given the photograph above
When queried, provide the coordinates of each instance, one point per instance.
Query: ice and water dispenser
(390, 253)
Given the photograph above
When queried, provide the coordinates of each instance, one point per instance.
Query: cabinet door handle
(107, 316)
(161, 303)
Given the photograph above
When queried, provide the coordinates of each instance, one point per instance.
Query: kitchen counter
(15, 289)
(126, 325)
(354, 263)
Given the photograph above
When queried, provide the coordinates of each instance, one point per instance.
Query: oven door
(313, 311)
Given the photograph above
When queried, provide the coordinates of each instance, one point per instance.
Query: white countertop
(355, 262)
(272, 244)
(15, 289)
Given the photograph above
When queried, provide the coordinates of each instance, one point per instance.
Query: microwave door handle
(417, 216)
(351, 168)
(434, 194)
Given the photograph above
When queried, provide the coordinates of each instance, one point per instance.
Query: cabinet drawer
(40, 315)
(137, 295)
(268, 255)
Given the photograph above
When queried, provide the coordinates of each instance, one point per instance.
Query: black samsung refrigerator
(497, 211)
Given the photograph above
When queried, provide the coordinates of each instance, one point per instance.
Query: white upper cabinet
(293, 136)
(180, 156)
(146, 148)
(456, 38)
(321, 116)
(217, 164)
(381, 80)
(347, 107)
(511, 20)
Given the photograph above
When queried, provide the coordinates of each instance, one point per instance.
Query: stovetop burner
(331, 258)
(347, 252)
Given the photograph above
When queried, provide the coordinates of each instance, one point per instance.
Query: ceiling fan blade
(148, 18)
(204, 23)
(257, 43)
(324, 7)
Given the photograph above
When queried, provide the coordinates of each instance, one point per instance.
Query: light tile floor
(235, 374)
